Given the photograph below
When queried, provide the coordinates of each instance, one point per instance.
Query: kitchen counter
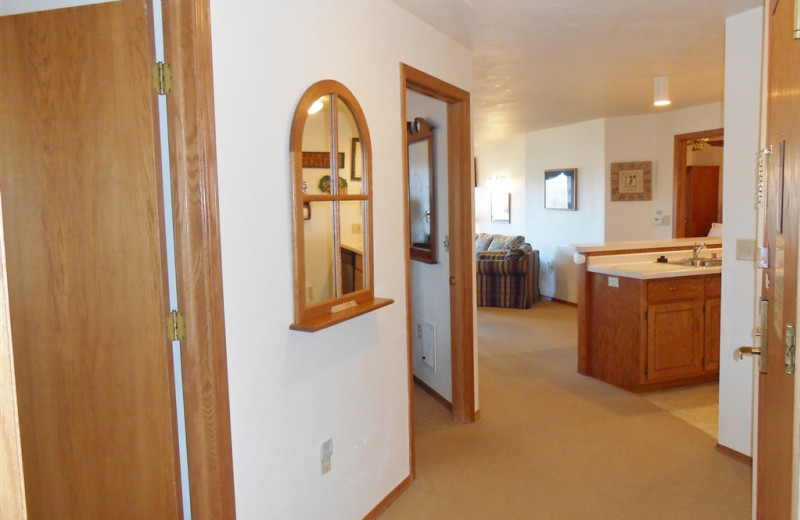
(647, 245)
(645, 325)
(643, 266)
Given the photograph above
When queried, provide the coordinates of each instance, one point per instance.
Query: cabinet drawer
(713, 286)
(672, 289)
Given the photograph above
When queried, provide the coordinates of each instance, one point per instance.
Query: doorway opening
(698, 178)
(460, 243)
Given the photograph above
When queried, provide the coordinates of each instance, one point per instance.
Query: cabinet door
(712, 316)
(674, 340)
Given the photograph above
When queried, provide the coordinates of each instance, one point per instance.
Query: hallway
(552, 444)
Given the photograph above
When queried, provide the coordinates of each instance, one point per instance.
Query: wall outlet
(613, 281)
(657, 220)
(326, 453)
(356, 228)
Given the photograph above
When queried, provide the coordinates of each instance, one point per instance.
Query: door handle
(761, 336)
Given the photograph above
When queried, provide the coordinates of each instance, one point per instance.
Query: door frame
(679, 177)
(461, 215)
(190, 111)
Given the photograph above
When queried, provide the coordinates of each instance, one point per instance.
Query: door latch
(761, 337)
(790, 349)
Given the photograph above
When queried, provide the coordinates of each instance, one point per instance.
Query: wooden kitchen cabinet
(645, 335)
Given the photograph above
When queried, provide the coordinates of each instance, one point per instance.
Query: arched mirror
(332, 208)
(421, 190)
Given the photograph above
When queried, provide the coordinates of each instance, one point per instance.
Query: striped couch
(508, 271)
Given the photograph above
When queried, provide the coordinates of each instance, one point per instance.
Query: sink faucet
(698, 246)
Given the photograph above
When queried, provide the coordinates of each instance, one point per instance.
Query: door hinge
(176, 326)
(791, 338)
(161, 78)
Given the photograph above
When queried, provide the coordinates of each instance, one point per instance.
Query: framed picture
(501, 207)
(320, 160)
(356, 160)
(560, 189)
(632, 181)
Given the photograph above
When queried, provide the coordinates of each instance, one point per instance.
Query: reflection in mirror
(421, 190)
(352, 245)
(318, 247)
(317, 144)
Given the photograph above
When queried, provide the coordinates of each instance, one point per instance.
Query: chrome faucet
(698, 246)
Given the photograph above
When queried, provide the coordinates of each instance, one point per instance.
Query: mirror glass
(317, 145)
(318, 247)
(421, 190)
(352, 246)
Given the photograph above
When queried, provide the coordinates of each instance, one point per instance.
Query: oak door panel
(83, 220)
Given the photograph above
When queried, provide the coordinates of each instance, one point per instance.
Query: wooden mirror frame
(310, 317)
(417, 131)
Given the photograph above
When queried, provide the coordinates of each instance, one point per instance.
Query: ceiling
(545, 63)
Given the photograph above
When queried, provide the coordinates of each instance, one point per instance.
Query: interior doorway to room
(698, 182)
(459, 241)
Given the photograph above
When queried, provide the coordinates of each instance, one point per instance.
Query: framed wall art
(632, 181)
(560, 189)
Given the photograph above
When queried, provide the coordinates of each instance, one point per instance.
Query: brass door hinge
(790, 338)
(161, 78)
(176, 326)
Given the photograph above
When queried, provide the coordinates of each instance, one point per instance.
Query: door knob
(747, 351)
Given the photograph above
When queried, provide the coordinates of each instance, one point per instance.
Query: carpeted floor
(552, 444)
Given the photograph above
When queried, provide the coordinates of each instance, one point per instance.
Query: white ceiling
(545, 63)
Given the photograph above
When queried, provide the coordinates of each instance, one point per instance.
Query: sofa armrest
(501, 266)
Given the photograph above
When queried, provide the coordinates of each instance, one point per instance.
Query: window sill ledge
(328, 320)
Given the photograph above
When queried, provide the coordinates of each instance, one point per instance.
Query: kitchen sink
(699, 262)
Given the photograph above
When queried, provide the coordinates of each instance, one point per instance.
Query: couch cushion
(505, 242)
(482, 242)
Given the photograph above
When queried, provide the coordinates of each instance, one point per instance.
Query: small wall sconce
(660, 91)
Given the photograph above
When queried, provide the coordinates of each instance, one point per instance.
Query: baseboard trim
(558, 300)
(391, 497)
(730, 452)
(433, 393)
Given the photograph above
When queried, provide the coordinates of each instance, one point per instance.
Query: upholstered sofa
(508, 271)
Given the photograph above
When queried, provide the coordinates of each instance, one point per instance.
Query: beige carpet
(552, 444)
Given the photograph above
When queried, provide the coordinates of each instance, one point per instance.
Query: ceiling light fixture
(661, 92)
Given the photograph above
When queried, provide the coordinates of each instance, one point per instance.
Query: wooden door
(776, 408)
(83, 221)
(702, 199)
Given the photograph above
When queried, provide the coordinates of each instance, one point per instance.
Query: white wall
(290, 391)
(430, 283)
(580, 146)
(650, 137)
(501, 167)
(742, 111)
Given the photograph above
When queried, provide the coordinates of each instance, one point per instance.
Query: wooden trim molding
(384, 504)
(190, 109)
(730, 452)
(433, 393)
(12, 482)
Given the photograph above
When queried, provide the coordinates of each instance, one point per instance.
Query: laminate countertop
(643, 266)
